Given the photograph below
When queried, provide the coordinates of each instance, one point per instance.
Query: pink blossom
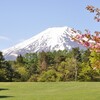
(86, 43)
(85, 40)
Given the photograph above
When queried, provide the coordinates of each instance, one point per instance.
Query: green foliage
(95, 60)
(33, 78)
(48, 76)
(86, 74)
(86, 55)
(76, 54)
(74, 65)
(23, 72)
(31, 63)
(6, 71)
(19, 59)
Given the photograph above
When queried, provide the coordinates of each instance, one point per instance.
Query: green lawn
(50, 91)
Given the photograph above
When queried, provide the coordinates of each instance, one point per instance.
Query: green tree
(31, 63)
(95, 60)
(50, 58)
(24, 76)
(86, 55)
(63, 71)
(6, 71)
(86, 73)
(48, 76)
(76, 54)
(71, 67)
(19, 59)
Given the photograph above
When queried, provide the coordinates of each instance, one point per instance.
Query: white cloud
(4, 38)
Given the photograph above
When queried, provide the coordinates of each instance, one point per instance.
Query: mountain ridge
(56, 38)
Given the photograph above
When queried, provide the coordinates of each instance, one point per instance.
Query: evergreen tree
(19, 59)
(6, 71)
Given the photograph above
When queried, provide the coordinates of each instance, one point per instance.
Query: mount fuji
(56, 38)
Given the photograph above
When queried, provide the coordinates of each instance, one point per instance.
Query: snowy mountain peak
(56, 38)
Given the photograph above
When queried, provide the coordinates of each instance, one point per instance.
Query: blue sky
(22, 19)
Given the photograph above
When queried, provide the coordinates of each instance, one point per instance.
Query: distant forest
(56, 66)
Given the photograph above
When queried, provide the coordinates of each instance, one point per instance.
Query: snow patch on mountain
(56, 38)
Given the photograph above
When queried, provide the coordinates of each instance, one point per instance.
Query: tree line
(73, 65)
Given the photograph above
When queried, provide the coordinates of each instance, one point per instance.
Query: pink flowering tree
(91, 41)
(93, 9)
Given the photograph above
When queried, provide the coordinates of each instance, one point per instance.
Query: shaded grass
(6, 96)
(50, 91)
(3, 89)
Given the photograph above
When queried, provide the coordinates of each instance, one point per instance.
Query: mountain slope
(57, 38)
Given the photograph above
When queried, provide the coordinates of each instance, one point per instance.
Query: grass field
(50, 91)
